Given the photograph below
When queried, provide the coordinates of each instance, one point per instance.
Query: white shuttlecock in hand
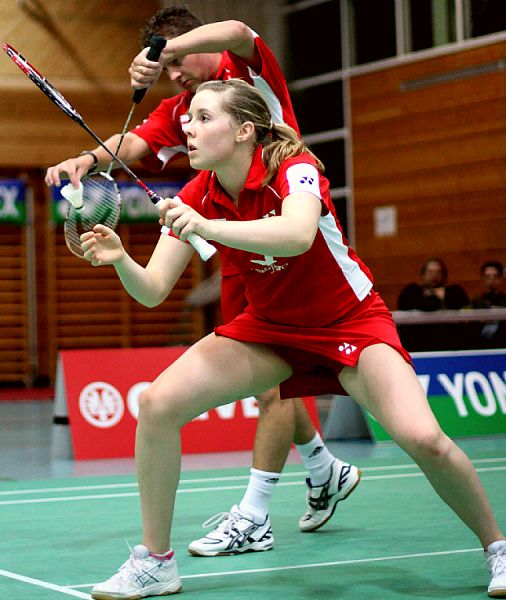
(75, 197)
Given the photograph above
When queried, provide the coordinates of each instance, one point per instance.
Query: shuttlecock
(75, 197)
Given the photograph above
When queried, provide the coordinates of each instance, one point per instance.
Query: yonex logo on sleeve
(303, 177)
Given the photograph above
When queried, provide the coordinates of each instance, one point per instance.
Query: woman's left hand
(102, 246)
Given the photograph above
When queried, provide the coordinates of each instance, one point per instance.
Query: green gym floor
(391, 539)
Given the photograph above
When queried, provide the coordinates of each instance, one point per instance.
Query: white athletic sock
(317, 460)
(258, 494)
(496, 546)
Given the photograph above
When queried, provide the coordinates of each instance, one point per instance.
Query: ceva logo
(102, 405)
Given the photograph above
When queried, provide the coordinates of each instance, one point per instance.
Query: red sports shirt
(312, 289)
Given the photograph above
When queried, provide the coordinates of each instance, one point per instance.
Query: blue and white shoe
(140, 576)
(234, 533)
(322, 499)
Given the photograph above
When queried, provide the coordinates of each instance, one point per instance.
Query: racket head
(42, 83)
(101, 205)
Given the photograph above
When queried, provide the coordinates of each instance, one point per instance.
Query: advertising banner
(136, 207)
(466, 390)
(12, 201)
(100, 391)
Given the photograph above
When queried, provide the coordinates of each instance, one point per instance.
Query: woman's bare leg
(385, 385)
(214, 371)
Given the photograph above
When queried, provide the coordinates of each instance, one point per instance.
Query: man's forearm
(215, 37)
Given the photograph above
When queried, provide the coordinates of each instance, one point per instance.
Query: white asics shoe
(234, 533)
(140, 576)
(322, 499)
(497, 566)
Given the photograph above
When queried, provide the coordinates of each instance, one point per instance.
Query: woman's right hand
(102, 246)
(72, 168)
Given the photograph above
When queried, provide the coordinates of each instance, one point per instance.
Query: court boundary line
(213, 489)
(335, 563)
(71, 590)
(302, 474)
(44, 584)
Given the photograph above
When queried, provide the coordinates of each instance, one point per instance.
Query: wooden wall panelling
(34, 132)
(14, 321)
(85, 51)
(438, 155)
(91, 41)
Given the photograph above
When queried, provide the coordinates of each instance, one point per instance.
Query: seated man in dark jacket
(432, 293)
(492, 275)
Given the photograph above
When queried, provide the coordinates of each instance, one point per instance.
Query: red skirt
(317, 355)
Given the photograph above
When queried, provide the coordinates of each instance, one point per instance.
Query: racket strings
(101, 205)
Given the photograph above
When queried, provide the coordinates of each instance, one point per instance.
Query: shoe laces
(223, 521)
(497, 562)
(136, 568)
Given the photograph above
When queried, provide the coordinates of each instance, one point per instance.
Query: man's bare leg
(330, 480)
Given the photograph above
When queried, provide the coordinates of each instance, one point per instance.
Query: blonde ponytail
(282, 143)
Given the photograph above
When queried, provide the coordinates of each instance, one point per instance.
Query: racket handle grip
(202, 246)
(156, 45)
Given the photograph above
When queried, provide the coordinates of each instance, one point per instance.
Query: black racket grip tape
(156, 46)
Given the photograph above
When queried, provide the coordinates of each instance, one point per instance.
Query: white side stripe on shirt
(166, 152)
(272, 100)
(358, 280)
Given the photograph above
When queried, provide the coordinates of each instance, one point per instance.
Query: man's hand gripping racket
(103, 190)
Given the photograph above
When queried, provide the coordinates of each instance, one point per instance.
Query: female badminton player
(313, 322)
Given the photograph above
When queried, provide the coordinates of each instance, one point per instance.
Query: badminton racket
(97, 200)
(203, 247)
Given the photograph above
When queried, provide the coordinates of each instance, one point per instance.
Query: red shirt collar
(257, 171)
(223, 70)
(256, 175)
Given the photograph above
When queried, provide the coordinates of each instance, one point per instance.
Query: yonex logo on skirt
(347, 348)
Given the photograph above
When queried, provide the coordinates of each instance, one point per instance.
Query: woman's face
(210, 132)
